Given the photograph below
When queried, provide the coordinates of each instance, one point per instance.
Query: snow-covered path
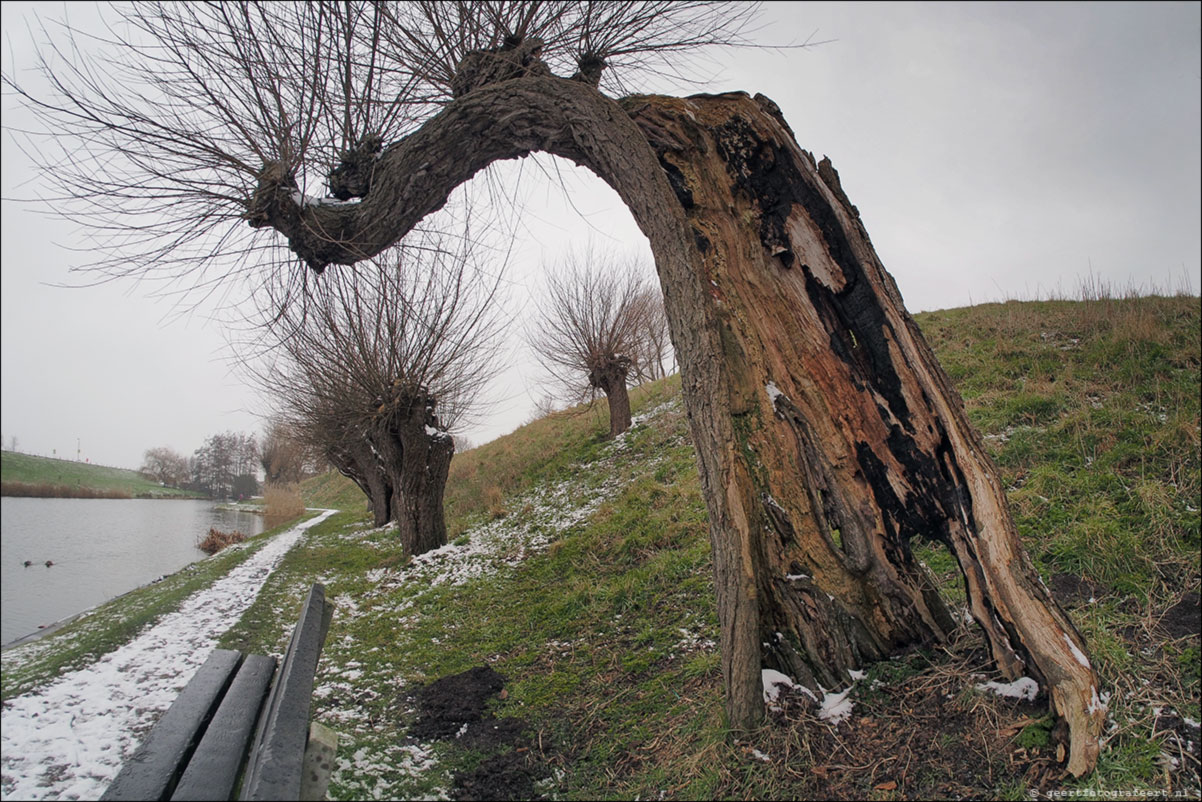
(68, 739)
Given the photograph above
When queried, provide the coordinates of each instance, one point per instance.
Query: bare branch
(156, 134)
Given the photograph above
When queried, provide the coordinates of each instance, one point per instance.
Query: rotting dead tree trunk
(610, 378)
(827, 435)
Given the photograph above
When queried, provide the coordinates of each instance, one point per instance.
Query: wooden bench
(199, 748)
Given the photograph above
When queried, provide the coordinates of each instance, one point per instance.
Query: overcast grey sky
(994, 151)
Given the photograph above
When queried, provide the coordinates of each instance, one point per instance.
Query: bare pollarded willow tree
(596, 327)
(375, 365)
(827, 435)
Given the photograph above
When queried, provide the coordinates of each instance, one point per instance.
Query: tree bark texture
(610, 378)
(354, 460)
(827, 435)
(416, 457)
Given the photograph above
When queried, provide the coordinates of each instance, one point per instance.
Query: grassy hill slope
(27, 475)
(580, 572)
(564, 643)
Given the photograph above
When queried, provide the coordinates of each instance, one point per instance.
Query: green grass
(603, 621)
(1091, 411)
(22, 473)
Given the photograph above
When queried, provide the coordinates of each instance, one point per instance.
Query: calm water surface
(101, 548)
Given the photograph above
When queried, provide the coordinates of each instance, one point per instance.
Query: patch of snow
(1077, 653)
(773, 392)
(856, 675)
(836, 707)
(346, 602)
(758, 755)
(774, 682)
(1021, 688)
(795, 577)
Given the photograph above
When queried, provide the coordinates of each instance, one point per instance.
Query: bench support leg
(319, 761)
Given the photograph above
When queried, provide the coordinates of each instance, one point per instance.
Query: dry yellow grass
(283, 503)
(217, 540)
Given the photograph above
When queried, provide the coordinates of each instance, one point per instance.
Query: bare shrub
(217, 540)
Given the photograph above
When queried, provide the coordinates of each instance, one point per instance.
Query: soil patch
(492, 733)
(446, 705)
(1067, 588)
(503, 776)
(1184, 618)
(456, 707)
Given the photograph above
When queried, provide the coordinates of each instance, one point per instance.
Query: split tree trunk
(416, 456)
(355, 461)
(827, 435)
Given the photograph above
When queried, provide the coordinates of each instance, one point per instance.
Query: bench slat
(213, 769)
(277, 757)
(157, 763)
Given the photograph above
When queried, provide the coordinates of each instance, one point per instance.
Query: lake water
(101, 548)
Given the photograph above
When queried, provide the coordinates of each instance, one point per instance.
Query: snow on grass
(68, 739)
(692, 642)
(503, 543)
(372, 772)
(482, 553)
(1021, 688)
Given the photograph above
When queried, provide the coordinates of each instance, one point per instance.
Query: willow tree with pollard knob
(827, 435)
(374, 366)
(596, 329)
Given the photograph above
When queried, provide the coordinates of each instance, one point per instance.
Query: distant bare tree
(225, 465)
(166, 466)
(375, 366)
(591, 328)
(284, 454)
(653, 355)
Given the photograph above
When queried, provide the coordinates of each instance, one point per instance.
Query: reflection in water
(99, 549)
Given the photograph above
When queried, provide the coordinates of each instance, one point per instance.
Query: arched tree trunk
(827, 435)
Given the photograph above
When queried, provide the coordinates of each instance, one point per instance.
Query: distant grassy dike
(44, 477)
